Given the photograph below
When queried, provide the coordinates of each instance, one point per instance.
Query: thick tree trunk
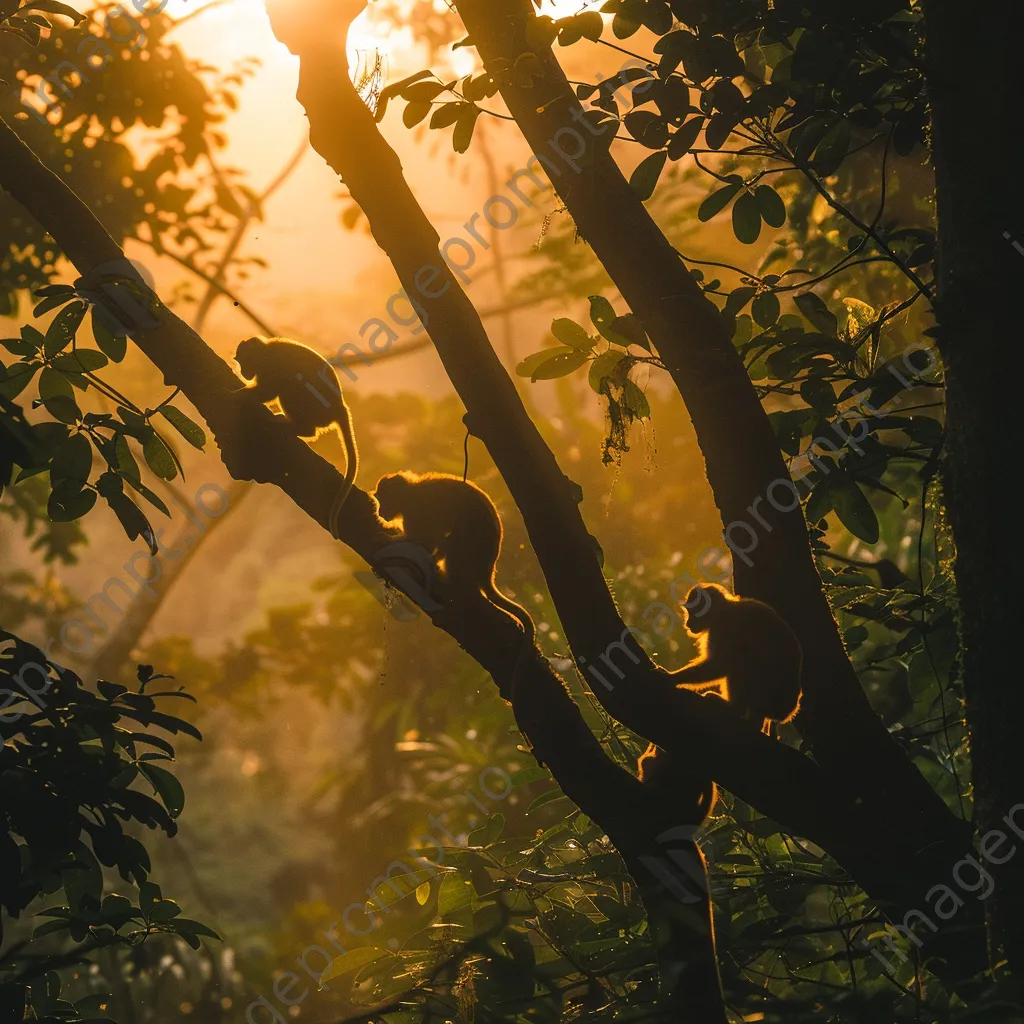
(742, 455)
(845, 801)
(978, 157)
(864, 765)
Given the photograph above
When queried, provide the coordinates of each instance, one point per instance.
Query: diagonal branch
(256, 445)
(742, 455)
(744, 463)
(253, 209)
(345, 134)
(843, 809)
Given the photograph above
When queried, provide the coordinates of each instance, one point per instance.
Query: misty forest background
(835, 179)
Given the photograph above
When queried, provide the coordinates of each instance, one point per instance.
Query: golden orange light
(563, 8)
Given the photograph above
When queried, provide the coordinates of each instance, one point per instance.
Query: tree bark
(255, 444)
(979, 203)
(743, 458)
(806, 797)
(846, 810)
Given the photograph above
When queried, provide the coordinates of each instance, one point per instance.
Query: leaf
(447, 114)
(545, 798)
(604, 367)
(855, 511)
(489, 832)
(30, 336)
(415, 112)
(395, 90)
(53, 7)
(819, 504)
(17, 379)
(644, 179)
(719, 129)
(53, 383)
(479, 88)
(719, 200)
(602, 312)
(832, 150)
(68, 501)
(423, 893)
(860, 313)
(635, 400)
(559, 366)
(463, 134)
(589, 25)
(630, 331)
(743, 330)
(168, 788)
(737, 299)
(62, 408)
(648, 128)
(529, 365)
(125, 463)
(49, 928)
(191, 431)
(158, 457)
(354, 961)
(131, 517)
(572, 335)
(806, 136)
(154, 499)
(109, 344)
(766, 309)
(19, 346)
(746, 219)
(769, 202)
(80, 361)
(73, 460)
(525, 776)
(623, 26)
(183, 924)
(455, 892)
(163, 910)
(55, 289)
(815, 310)
(64, 327)
(685, 138)
(50, 302)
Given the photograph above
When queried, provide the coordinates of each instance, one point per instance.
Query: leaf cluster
(70, 765)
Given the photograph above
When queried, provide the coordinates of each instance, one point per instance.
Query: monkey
(747, 650)
(284, 369)
(680, 781)
(456, 522)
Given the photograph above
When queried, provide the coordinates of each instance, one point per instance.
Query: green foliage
(533, 917)
(609, 368)
(65, 444)
(75, 768)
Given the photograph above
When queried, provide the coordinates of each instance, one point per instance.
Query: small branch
(216, 281)
(193, 269)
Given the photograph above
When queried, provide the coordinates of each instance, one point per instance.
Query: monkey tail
(517, 611)
(351, 468)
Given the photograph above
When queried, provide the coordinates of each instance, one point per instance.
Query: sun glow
(563, 8)
(242, 26)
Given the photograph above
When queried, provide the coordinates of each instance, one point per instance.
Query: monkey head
(249, 357)
(703, 606)
(391, 493)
